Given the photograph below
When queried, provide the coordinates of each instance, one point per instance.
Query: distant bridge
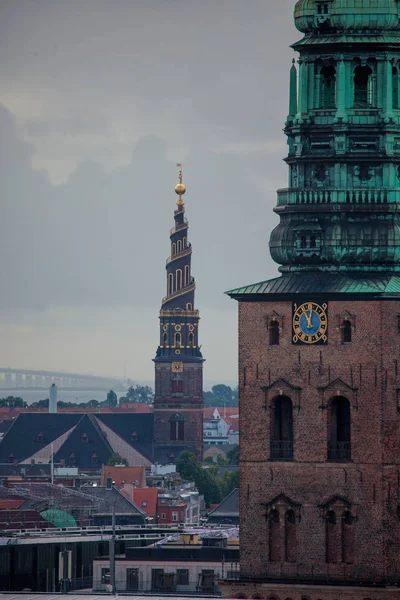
(25, 378)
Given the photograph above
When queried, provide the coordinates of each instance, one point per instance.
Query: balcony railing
(281, 450)
(179, 227)
(340, 451)
(333, 196)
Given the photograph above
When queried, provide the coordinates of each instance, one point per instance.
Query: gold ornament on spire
(180, 188)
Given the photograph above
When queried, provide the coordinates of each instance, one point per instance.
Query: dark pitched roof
(85, 451)
(126, 423)
(108, 497)
(21, 439)
(227, 510)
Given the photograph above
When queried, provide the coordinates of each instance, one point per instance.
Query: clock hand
(309, 319)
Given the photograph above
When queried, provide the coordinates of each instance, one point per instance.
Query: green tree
(112, 399)
(189, 467)
(93, 404)
(223, 392)
(116, 459)
(221, 395)
(41, 404)
(139, 393)
(233, 455)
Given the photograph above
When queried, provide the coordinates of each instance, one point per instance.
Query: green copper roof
(320, 283)
(58, 518)
(373, 38)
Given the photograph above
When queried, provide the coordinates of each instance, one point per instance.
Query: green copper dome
(350, 15)
(58, 518)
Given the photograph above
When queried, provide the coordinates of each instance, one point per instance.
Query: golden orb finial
(180, 188)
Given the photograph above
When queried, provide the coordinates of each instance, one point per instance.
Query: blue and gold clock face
(310, 323)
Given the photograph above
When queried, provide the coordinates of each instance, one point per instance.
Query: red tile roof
(121, 475)
(149, 496)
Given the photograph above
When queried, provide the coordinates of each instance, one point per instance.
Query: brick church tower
(178, 402)
(319, 346)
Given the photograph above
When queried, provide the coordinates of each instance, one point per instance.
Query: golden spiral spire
(180, 188)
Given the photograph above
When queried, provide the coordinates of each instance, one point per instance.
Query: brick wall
(366, 372)
(189, 404)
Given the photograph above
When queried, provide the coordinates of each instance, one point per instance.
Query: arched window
(313, 241)
(173, 249)
(282, 429)
(84, 438)
(328, 87)
(179, 246)
(178, 340)
(177, 384)
(184, 242)
(363, 92)
(290, 536)
(177, 428)
(347, 537)
(273, 330)
(187, 274)
(332, 543)
(170, 283)
(274, 536)
(303, 241)
(165, 339)
(178, 279)
(339, 446)
(191, 340)
(395, 87)
(346, 332)
(134, 436)
(189, 306)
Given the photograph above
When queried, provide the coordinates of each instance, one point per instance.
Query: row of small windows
(179, 246)
(339, 536)
(181, 279)
(346, 331)
(364, 87)
(339, 430)
(178, 340)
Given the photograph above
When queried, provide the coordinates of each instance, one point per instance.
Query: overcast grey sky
(98, 101)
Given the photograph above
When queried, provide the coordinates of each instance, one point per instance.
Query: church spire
(178, 317)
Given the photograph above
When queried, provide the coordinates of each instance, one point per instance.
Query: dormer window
(308, 240)
(94, 459)
(40, 437)
(11, 458)
(134, 436)
(84, 438)
(71, 459)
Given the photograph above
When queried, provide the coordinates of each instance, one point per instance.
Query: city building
(221, 426)
(178, 401)
(187, 565)
(319, 345)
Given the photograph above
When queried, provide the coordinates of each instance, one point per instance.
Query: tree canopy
(116, 459)
(13, 402)
(142, 394)
(221, 395)
(213, 488)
